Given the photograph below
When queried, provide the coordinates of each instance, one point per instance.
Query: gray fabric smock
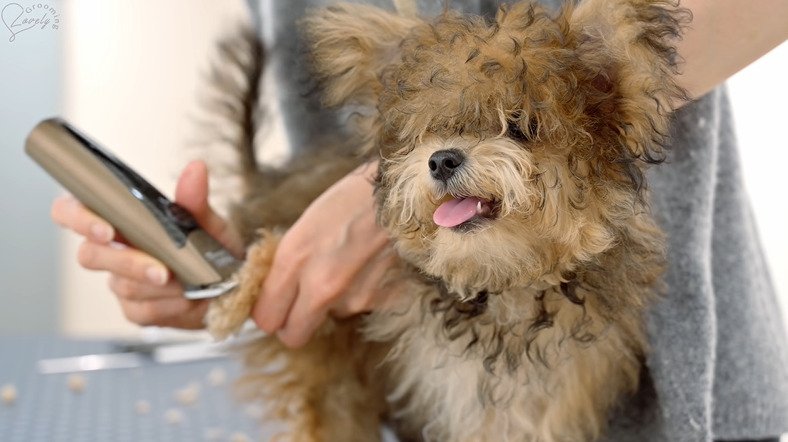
(718, 366)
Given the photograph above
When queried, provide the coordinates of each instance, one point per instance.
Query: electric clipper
(145, 217)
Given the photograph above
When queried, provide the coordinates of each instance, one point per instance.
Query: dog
(512, 154)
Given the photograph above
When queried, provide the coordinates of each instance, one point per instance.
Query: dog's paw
(228, 312)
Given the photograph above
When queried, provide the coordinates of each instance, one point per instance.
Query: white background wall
(29, 91)
(759, 95)
(130, 75)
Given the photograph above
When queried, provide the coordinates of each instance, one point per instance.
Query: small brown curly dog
(511, 181)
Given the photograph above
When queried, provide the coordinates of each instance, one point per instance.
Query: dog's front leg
(329, 390)
(227, 313)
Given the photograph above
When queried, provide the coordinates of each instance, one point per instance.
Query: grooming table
(47, 410)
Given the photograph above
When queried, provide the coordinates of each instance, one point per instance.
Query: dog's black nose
(444, 163)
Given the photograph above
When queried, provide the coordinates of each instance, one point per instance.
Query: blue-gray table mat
(46, 410)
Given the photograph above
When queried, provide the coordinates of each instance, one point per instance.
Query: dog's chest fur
(501, 364)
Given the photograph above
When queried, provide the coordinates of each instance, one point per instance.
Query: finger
(326, 286)
(297, 297)
(370, 289)
(68, 212)
(166, 312)
(135, 291)
(193, 319)
(191, 192)
(279, 290)
(123, 261)
(302, 321)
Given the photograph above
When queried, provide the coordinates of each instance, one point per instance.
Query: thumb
(191, 193)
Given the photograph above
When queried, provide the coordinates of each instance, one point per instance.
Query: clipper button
(181, 217)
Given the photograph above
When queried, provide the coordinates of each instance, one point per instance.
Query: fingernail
(100, 232)
(156, 275)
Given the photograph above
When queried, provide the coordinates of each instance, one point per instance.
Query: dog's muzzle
(444, 163)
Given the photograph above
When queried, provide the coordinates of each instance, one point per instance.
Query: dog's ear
(350, 45)
(628, 69)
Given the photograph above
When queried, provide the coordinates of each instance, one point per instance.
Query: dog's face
(510, 151)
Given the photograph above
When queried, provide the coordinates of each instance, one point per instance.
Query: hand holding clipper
(146, 218)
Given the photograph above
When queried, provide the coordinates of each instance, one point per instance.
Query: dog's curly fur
(526, 322)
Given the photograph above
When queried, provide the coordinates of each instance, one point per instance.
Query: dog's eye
(514, 131)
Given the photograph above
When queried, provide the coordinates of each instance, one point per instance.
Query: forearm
(725, 36)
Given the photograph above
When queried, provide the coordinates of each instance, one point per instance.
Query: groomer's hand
(330, 262)
(145, 288)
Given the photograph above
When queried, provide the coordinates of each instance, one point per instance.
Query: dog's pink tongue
(455, 212)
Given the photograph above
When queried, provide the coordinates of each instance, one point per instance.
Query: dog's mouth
(464, 213)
